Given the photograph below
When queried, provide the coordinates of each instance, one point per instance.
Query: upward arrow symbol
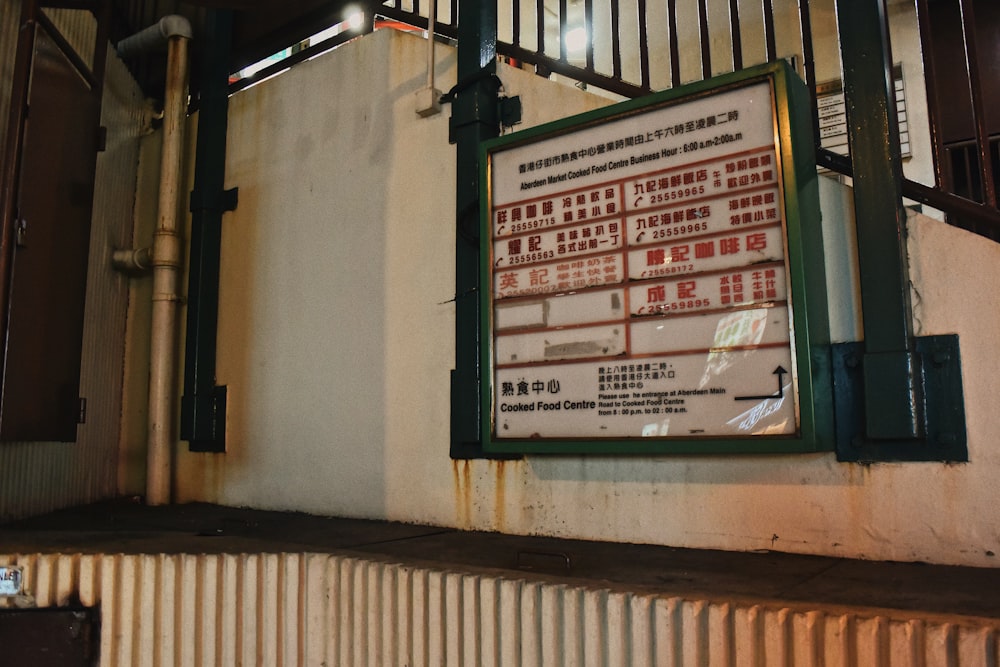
(780, 372)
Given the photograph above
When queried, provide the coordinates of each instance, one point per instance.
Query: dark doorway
(50, 637)
(53, 204)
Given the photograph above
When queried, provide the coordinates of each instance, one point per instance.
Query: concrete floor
(130, 527)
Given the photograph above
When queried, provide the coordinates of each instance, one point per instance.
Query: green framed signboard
(653, 277)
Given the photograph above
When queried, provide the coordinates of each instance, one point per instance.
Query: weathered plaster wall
(336, 341)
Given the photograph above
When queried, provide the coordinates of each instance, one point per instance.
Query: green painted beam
(474, 118)
(891, 375)
(203, 404)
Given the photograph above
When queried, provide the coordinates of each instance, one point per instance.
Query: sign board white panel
(638, 275)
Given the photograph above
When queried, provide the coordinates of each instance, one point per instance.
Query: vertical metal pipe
(959, 155)
(971, 168)
(166, 282)
(930, 82)
(809, 64)
(588, 22)
(705, 39)
(515, 22)
(675, 49)
(431, 20)
(643, 45)
(539, 25)
(562, 29)
(772, 50)
(734, 29)
(978, 113)
(616, 40)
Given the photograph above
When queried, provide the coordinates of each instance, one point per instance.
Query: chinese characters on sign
(639, 277)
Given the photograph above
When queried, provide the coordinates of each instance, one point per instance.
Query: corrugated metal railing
(633, 47)
(328, 609)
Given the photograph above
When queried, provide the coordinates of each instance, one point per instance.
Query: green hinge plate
(942, 434)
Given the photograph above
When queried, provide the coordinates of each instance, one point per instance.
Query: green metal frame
(203, 405)
(474, 119)
(942, 413)
(899, 397)
(804, 259)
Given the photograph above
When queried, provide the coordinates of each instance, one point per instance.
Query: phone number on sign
(681, 305)
(673, 195)
(667, 270)
(531, 224)
(531, 257)
(678, 230)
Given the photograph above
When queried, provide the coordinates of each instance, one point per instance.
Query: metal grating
(323, 609)
(634, 47)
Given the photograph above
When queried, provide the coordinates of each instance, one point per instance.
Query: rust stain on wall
(461, 472)
(201, 477)
(500, 494)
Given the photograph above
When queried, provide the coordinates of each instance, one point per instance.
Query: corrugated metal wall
(322, 609)
(38, 477)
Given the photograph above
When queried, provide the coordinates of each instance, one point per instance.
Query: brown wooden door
(49, 274)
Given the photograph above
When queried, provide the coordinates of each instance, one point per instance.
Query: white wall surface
(336, 342)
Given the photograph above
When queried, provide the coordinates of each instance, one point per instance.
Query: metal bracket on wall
(938, 402)
(214, 199)
(510, 111)
(203, 420)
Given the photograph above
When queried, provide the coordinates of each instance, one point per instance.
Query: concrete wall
(336, 341)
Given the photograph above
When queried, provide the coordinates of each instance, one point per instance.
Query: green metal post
(474, 118)
(203, 406)
(892, 390)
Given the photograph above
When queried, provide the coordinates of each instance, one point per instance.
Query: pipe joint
(175, 25)
(132, 261)
(155, 36)
(167, 297)
(166, 250)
